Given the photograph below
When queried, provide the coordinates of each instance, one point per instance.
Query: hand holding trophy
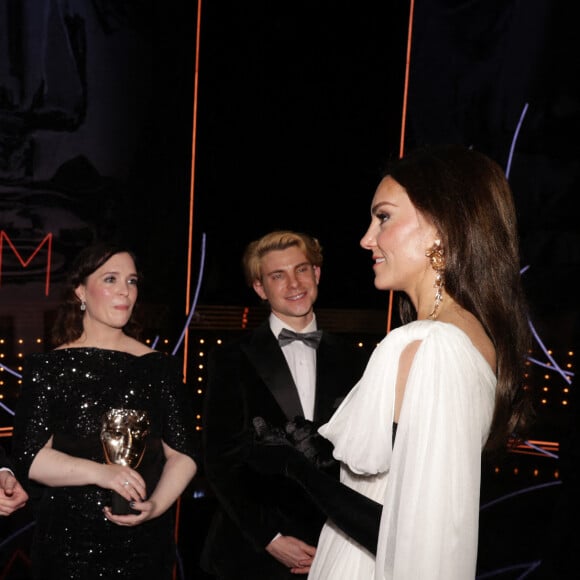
(123, 435)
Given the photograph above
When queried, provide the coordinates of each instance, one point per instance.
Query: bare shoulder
(127, 344)
(405, 362)
(471, 326)
(407, 356)
(137, 348)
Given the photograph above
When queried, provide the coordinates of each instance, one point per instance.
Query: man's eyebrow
(282, 270)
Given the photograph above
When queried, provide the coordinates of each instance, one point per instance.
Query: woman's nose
(368, 240)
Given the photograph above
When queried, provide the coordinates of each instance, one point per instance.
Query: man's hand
(12, 494)
(293, 553)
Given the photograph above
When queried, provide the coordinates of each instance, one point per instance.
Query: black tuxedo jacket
(246, 379)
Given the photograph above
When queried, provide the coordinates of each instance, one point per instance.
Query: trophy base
(120, 506)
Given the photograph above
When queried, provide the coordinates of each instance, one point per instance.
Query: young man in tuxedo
(12, 494)
(265, 527)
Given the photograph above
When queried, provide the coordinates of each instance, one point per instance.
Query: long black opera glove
(355, 514)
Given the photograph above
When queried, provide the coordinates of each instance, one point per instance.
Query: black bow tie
(311, 339)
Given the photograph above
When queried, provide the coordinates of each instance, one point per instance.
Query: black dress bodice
(65, 394)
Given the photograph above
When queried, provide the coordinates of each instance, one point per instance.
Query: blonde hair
(278, 240)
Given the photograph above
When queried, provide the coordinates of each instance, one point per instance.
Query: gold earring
(437, 260)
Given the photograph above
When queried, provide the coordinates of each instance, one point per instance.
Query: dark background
(299, 105)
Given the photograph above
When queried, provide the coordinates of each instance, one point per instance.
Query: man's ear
(259, 289)
(317, 272)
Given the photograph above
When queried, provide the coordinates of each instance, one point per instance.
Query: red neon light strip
(24, 263)
(403, 123)
(190, 233)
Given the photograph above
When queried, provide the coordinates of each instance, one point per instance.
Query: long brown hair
(469, 200)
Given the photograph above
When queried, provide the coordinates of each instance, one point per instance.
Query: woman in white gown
(439, 389)
(430, 478)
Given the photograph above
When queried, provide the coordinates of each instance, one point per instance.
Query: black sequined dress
(65, 394)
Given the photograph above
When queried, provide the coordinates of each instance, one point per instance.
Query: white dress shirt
(302, 362)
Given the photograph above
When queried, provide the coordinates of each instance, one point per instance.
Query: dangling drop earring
(83, 305)
(437, 259)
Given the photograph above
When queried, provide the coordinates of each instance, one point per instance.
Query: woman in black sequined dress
(98, 365)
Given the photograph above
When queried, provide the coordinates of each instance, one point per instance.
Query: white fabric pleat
(429, 484)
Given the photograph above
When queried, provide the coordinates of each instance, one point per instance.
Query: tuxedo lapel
(267, 358)
(331, 382)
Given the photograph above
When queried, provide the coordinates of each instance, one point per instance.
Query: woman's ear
(80, 293)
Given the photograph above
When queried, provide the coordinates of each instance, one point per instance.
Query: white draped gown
(429, 482)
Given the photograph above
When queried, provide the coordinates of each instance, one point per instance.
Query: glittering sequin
(65, 394)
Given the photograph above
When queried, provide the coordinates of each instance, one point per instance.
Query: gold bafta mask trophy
(123, 435)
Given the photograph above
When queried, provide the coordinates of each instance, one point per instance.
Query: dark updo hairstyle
(68, 325)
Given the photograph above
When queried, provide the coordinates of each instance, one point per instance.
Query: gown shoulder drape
(428, 482)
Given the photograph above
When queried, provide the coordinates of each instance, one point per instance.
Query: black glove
(355, 514)
(271, 450)
(268, 435)
(300, 434)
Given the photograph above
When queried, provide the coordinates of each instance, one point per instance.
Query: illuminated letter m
(47, 240)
